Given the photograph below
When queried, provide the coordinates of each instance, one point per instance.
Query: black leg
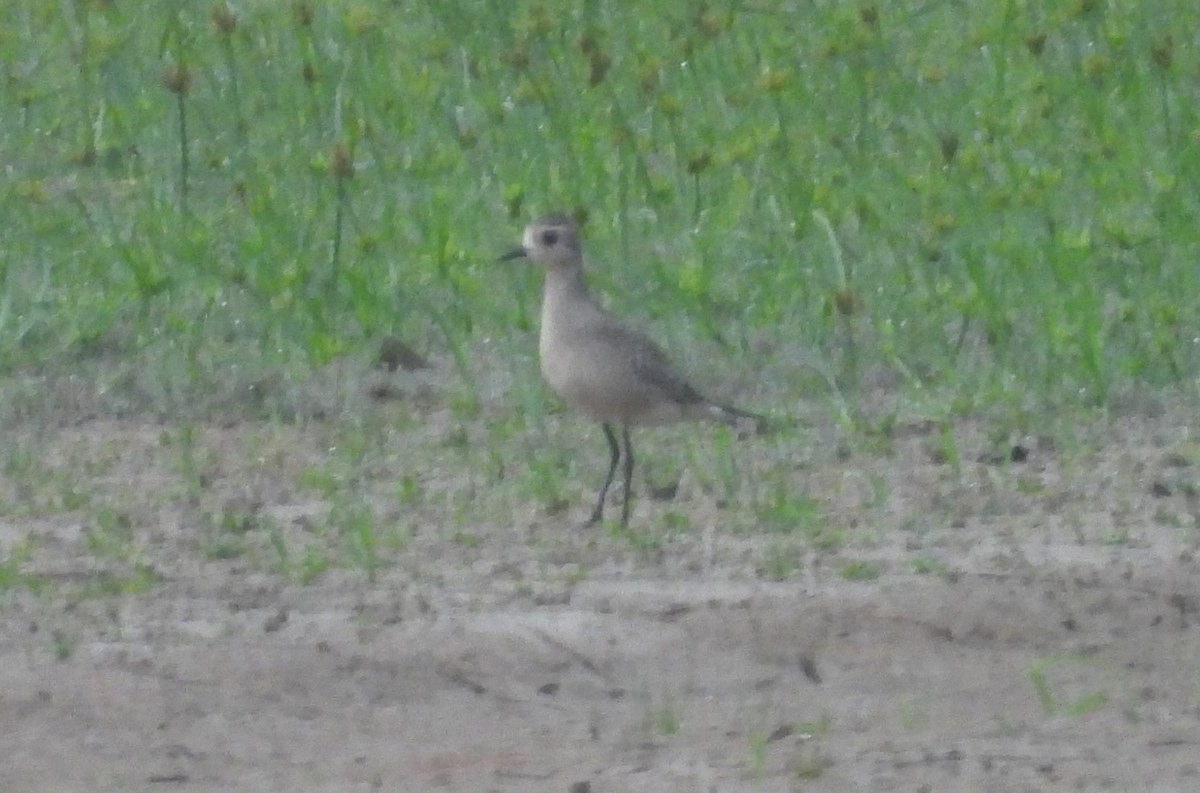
(598, 512)
(628, 476)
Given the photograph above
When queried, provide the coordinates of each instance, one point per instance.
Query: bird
(598, 364)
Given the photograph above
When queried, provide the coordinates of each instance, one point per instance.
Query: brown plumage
(598, 365)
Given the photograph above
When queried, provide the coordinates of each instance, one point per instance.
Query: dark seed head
(224, 20)
(177, 78)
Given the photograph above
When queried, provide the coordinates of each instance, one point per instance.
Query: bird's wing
(649, 363)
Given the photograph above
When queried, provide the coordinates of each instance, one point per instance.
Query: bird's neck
(566, 302)
(564, 289)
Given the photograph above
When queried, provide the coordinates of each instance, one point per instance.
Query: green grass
(780, 562)
(222, 213)
(665, 719)
(1040, 676)
(996, 201)
(860, 570)
(13, 576)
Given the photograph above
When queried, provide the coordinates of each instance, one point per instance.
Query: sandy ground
(1031, 626)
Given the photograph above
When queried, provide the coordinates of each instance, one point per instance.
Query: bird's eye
(549, 238)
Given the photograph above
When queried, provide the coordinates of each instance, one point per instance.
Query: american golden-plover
(599, 365)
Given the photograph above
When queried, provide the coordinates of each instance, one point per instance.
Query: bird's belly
(611, 397)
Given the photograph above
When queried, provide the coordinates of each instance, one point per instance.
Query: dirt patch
(1016, 626)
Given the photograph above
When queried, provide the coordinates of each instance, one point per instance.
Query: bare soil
(1022, 626)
